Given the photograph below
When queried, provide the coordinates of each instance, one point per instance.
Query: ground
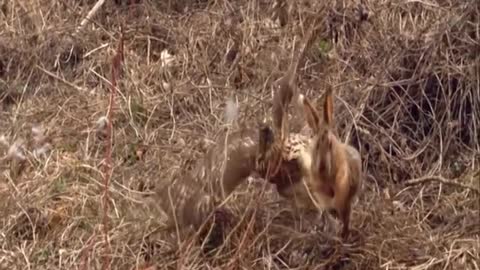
(406, 78)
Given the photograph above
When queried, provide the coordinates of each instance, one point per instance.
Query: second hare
(332, 168)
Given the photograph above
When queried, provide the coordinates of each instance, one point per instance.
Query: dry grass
(407, 81)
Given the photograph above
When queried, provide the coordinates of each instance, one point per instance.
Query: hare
(332, 169)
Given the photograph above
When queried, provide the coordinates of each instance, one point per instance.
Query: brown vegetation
(406, 77)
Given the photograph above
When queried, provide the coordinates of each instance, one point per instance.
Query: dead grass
(407, 81)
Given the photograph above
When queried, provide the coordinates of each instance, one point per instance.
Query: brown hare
(332, 169)
(313, 172)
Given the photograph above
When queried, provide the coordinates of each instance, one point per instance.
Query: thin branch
(441, 179)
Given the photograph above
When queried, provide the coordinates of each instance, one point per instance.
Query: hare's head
(322, 167)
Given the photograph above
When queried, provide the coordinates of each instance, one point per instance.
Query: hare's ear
(311, 113)
(328, 108)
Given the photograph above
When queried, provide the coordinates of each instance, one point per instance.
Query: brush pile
(406, 76)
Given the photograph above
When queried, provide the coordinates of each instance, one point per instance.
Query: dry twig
(443, 180)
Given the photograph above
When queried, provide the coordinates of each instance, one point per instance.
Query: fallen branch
(441, 179)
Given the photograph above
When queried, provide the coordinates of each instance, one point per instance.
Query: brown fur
(334, 169)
